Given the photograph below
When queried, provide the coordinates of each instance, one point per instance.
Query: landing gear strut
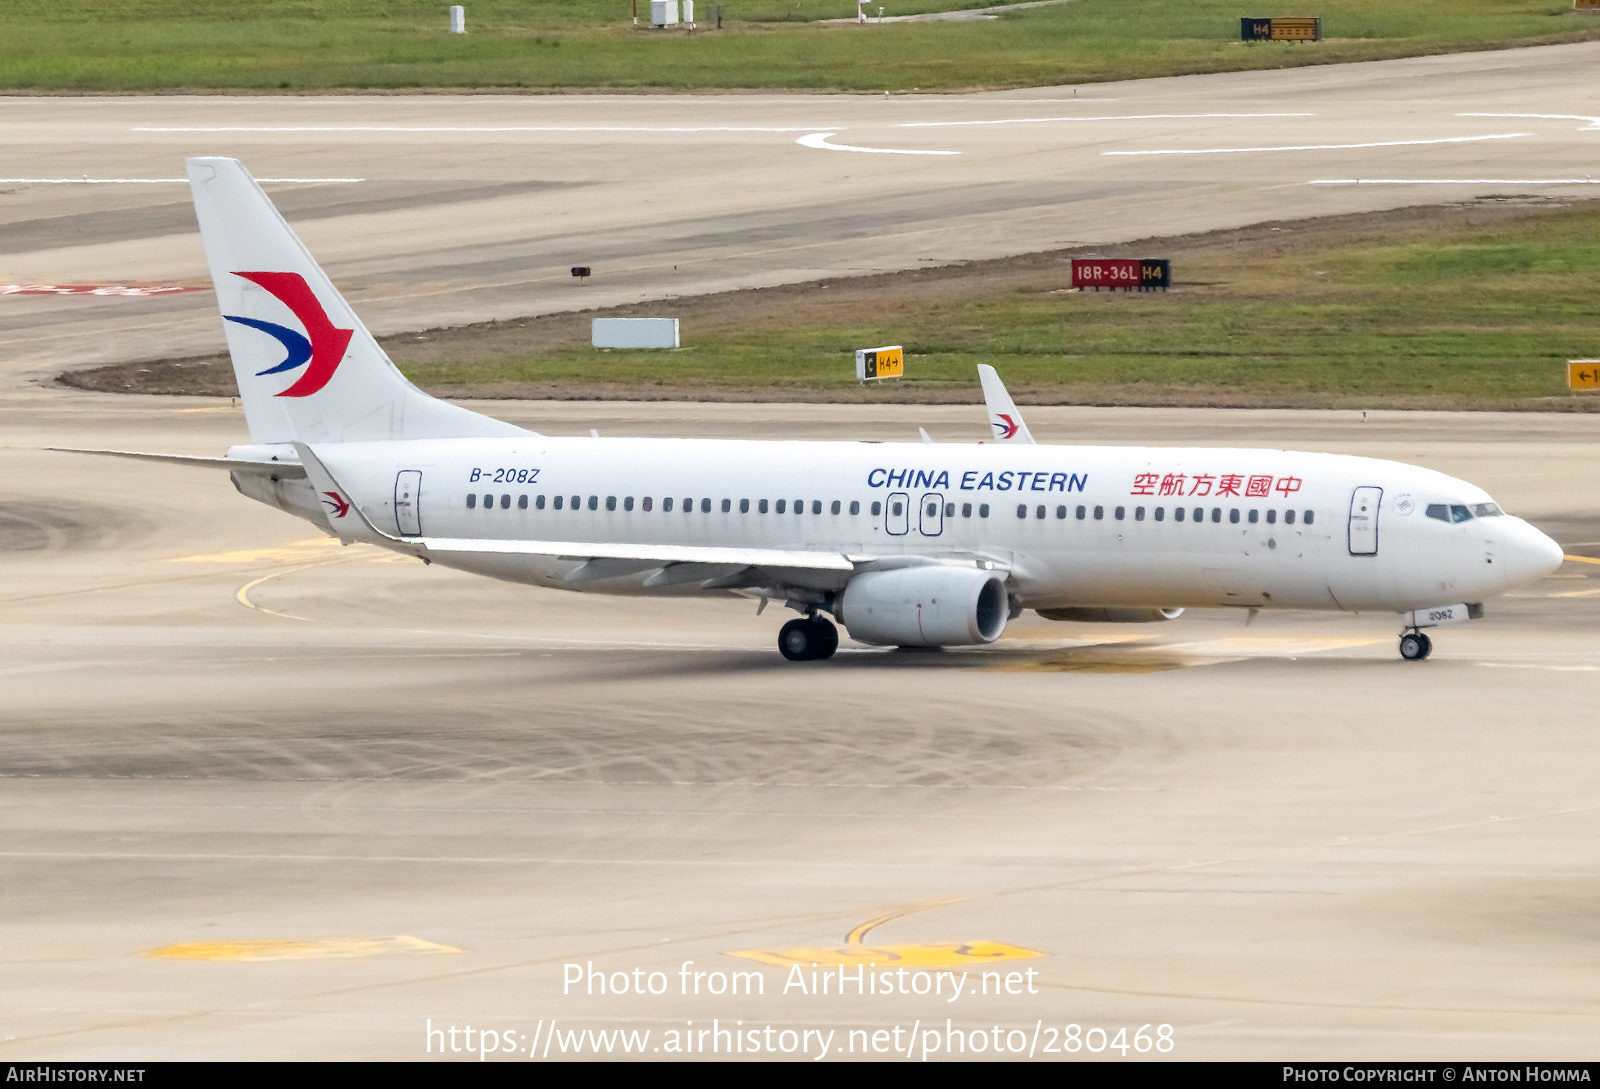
(808, 640)
(1414, 646)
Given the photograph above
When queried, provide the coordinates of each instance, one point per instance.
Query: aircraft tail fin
(1003, 414)
(307, 367)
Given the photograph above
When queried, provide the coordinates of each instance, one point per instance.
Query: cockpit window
(1449, 512)
(1487, 510)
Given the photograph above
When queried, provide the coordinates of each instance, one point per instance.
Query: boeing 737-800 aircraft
(915, 544)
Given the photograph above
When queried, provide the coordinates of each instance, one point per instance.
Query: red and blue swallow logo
(1005, 425)
(322, 346)
(337, 505)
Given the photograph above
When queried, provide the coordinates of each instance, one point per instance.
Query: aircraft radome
(907, 544)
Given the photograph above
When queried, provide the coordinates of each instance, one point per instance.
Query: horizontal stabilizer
(285, 469)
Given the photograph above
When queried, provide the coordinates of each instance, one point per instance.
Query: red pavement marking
(135, 290)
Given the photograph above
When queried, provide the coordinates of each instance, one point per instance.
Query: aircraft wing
(286, 469)
(641, 554)
(654, 554)
(1003, 414)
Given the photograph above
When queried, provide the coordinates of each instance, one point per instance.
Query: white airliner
(912, 544)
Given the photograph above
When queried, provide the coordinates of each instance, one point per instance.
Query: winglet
(1003, 414)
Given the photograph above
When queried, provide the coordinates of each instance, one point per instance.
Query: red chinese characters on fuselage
(1251, 486)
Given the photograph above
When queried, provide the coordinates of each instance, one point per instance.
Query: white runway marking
(819, 140)
(1126, 117)
(478, 128)
(1594, 122)
(1455, 181)
(1323, 147)
(167, 181)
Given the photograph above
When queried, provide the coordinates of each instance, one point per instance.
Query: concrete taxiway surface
(350, 796)
(475, 207)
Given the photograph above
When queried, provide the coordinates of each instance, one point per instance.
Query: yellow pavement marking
(854, 951)
(293, 552)
(915, 955)
(300, 949)
(1580, 559)
(214, 408)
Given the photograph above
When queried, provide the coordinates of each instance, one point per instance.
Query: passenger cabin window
(705, 506)
(1177, 514)
(1216, 514)
(1288, 517)
(538, 502)
(781, 506)
(1161, 513)
(1061, 511)
(666, 504)
(558, 502)
(1272, 517)
(1310, 516)
(648, 503)
(594, 502)
(761, 506)
(983, 510)
(1138, 514)
(1233, 516)
(611, 502)
(1118, 513)
(1082, 513)
(855, 506)
(966, 510)
(816, 506)
(877, 509)
(1099, 513)
(1255, 516)
(836, 507)
(688, 506)
(1022, 510)
(577, 501)
(472, 500)
(744, 506)
(1199, 514)
(627, 504)
(522, 502)
(949, 510)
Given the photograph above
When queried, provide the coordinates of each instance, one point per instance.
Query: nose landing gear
(808, 640)
(1415, 646)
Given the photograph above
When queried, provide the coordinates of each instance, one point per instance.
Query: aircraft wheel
(798, 641)
(827, 638)
(1414, 646)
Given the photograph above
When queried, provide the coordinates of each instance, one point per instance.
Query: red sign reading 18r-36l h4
(1121, 273)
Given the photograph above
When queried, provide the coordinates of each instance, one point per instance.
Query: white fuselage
(1072, 525)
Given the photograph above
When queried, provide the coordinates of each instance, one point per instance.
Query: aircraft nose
(1530, 555)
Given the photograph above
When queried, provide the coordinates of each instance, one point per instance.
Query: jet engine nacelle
(1111, 616)
(925, 607)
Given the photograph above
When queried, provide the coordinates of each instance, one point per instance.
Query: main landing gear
(808, 640)
(1414, 646)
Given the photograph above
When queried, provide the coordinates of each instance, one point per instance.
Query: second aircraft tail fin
(1003, 414)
